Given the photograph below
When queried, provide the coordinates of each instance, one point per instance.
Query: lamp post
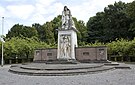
(2, 62)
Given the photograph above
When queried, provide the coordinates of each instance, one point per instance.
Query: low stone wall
(81, 54)
(91, 53)
(45, 54)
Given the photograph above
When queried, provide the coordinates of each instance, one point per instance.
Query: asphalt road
(111, 77)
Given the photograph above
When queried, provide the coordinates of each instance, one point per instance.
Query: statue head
(65, 8)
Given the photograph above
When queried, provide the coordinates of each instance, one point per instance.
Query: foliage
(120, 47)
(114, 28)
(131, 9)
(111, 24)
(21, 31)
(49, 35)
(131, 13)
(22, 47)
(82, 31)
(48, 32)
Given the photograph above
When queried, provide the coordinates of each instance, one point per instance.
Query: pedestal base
(62, 61)
(67, 41)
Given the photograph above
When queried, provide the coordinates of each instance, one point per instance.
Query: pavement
(110, 77)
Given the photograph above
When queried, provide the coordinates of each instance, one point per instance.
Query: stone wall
(45, 54)
(81, 54)
(91, 53)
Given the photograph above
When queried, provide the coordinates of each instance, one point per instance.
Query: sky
(27, 12)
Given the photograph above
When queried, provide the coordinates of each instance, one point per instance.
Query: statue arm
(63, 19)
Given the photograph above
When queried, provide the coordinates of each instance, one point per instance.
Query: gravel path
(111, 77)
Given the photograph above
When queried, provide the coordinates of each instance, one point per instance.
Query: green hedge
(119, 47)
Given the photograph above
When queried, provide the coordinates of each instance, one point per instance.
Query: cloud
(28, 12)
(127, 1)
(11, 0)
(58, 7)
(37, 18)
(20, 11)
(88, 8)
(45, 3)
(2, 11)
(46, 10)
(47, 7)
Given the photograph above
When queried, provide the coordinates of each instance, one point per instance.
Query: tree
(95, 28)
(40, 31)
(116, 21)
(131, 13)
(56, 25)
(15, 31)
(131, 9)
(48, 31)
(29, 32)
(82, 31)
(111, 24)
(22, 48)
(20, 30)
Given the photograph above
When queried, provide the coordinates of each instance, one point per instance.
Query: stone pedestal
(67, 41)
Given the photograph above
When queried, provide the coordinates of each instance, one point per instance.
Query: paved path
(115, 77)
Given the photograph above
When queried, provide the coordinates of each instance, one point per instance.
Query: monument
(68, 50)
(67, 37)
(68, 59)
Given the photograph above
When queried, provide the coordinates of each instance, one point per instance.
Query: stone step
(60, 66)
(43, 69)
(19, 70)
(118, 65)
(57, 61)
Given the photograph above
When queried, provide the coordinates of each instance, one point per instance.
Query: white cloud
(11, 0)
(89, 8)
(21, 11)
(127, 1)
(58, 7)
(46, 7)
(37, 18)
(40, 11)
(15, 0)
(45, 3)
(46, 10)
(2, 11)
(8, 23)
(83, 11)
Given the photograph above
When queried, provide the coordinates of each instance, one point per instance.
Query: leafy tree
(131, 9)
(29, 32)
(117, 21)
(40, 30)
(95, 28)
(111, 24)
(15, 31)
(22, 47)
(82, 31)
(49, 35)
(20, 30)
(56, 25)
(131, 13)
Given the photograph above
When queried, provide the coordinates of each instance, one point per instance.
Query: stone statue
(67, 21)
(67, 37)
(65, 46)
